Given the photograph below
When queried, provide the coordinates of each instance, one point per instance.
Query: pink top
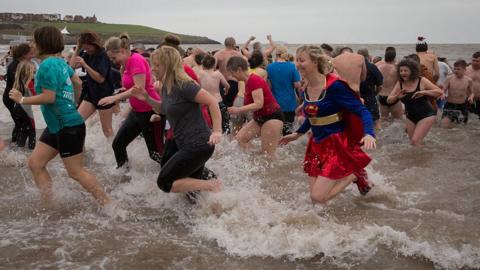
(136, 64)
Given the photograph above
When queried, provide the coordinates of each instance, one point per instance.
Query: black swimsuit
(417, 109)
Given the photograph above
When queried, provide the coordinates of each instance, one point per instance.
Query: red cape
(353, 123)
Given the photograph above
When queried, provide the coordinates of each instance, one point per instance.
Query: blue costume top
(332, 113)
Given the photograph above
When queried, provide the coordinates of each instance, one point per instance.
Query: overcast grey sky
(292, 21)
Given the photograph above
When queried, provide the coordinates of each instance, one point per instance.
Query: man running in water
(389, 71)
(222, 57)
(473, 71)
(351, 67)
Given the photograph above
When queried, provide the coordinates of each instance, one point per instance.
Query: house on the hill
(78, 18)
(68, 18)
(51, 17)
(89, 19)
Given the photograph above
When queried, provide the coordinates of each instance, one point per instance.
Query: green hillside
(137, 32)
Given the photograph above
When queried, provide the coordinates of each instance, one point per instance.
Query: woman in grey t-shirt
(181, 102)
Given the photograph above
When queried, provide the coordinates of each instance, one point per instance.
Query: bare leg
(421, 130)
(323, 189)
(384, 111)
(106, 121)
(86, 109)
(410, 128)
(247, 133)
(75, 169)
(397, 111)
(37, 163)
(188, 184)
(270, 136)
(446, 123)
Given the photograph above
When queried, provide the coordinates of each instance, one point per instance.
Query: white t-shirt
(444, 71)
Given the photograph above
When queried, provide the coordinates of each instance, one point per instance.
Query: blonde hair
(24, 75)
(282, 53)
(171, 60)
(114, 44)
(316, 54)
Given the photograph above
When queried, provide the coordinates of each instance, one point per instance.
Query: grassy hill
(138, 33)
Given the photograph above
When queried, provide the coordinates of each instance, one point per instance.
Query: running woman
(65, 132)
(340, 123)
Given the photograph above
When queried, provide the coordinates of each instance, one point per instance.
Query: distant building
(78, 18)
(16, 17)
(68, 18)
(51, 17)
(55, 17)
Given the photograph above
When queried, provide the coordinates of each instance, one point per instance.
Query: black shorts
(278, 115)
(229, 98)
(94, 99)
(457, 113)
(370, 102)
(68, 141)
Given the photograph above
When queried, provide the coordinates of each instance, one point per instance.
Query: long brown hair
(24, 75)
(170, 59)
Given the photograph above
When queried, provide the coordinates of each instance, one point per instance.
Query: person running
(351, 67)
(136, 73)
(257, 47)
(285, 80)
(427, 59)
(22, 52)
(210, 80)
(388, 68)
(23, 114)
(65, 132)
(414, 91)
(267, 116)
(473, 71)
(335, 116)
(460, 95)
(222, 57)
(91, 56)
(370, 87)
(181, 103)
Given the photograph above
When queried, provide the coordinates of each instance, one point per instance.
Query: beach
(422, 213)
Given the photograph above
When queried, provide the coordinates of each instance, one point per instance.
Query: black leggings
(136, 123)
(10, 104)
(179, 163)
(25, 127)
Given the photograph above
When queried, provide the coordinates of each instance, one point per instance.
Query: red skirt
(334, 157)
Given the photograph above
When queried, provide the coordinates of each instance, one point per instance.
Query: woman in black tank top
(418, 109)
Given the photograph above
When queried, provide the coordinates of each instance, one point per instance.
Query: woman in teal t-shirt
(65, 132)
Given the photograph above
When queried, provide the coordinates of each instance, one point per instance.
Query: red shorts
(334, 157)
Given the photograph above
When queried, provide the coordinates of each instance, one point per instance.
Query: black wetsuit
(10, 104)
(419, 108)
(24, 124)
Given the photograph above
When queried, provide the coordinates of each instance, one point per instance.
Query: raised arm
(245, 46)
(270, 49)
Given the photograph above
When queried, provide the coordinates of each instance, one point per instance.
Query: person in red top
(267, 116)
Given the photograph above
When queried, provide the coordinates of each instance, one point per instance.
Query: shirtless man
(389, 71)
(473, 72)
(210, 80)
(427, 59)
(459, 88)
(351, 67)
(222, 57)
(190, 60)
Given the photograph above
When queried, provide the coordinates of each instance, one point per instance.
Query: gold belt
(325, 120)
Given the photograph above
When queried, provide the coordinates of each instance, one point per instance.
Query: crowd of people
(183, 103)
